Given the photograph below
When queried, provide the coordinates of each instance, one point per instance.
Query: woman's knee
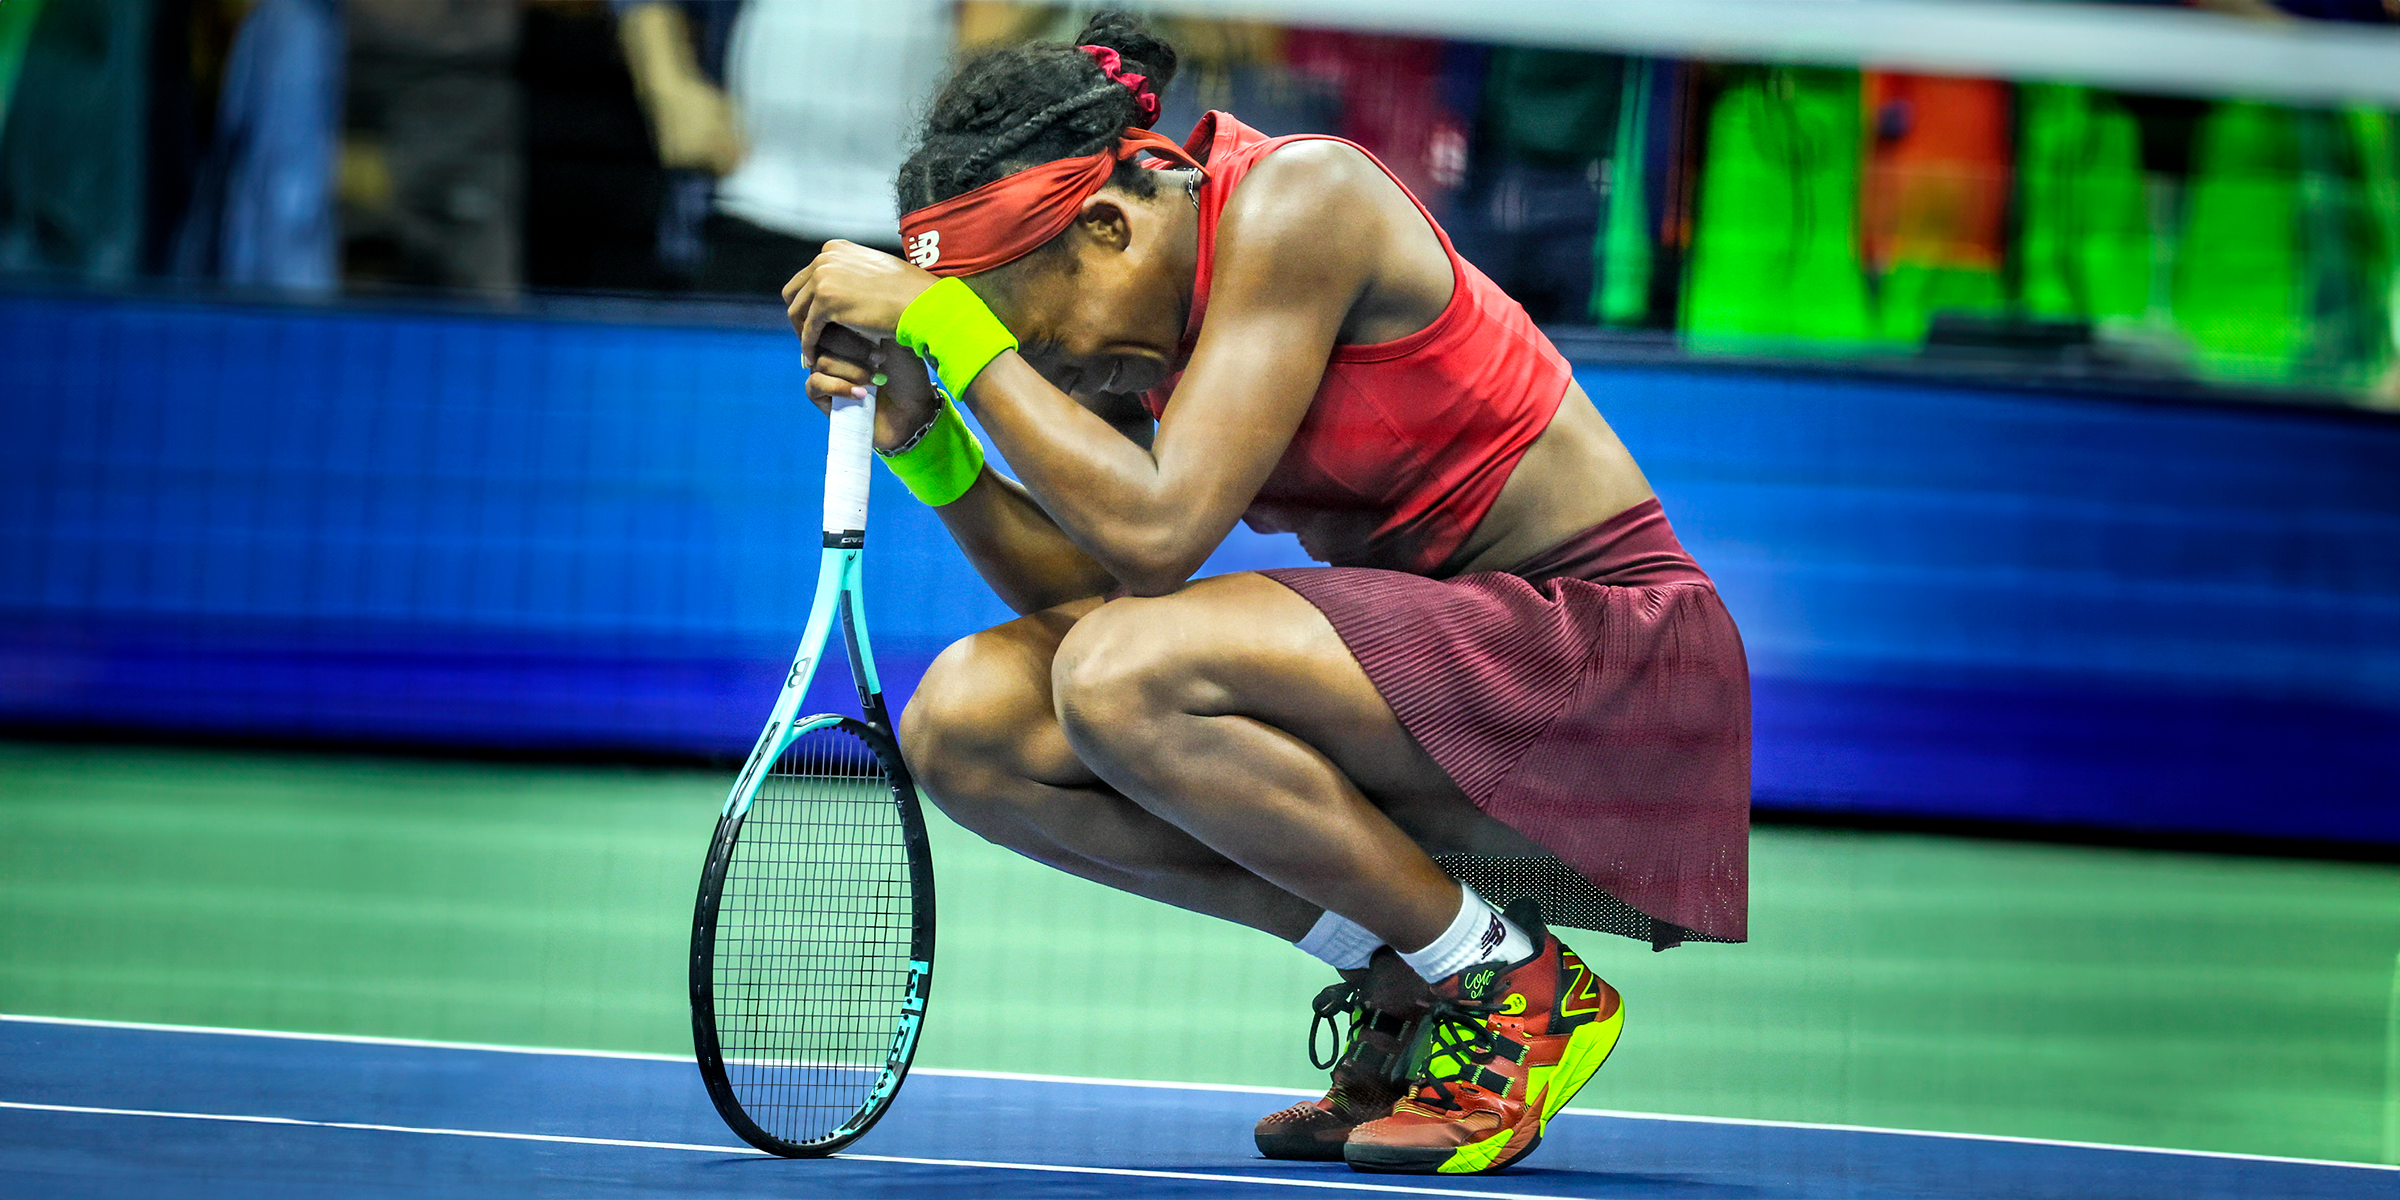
(976, 728)
(1118, 671)
(960, 715)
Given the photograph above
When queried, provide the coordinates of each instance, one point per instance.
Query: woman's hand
(850, 285)
(846, 363)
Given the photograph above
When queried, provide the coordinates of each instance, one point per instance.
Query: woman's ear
(1106, 223)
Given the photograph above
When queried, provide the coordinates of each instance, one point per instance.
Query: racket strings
(814, 935)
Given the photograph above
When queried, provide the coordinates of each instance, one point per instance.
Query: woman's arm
(1013, 544)
(1298, 245)
(1018, 549)
(1288, 276)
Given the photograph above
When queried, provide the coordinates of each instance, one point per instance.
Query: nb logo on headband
(925, 249)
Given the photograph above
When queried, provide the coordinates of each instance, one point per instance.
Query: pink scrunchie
(1113, 65)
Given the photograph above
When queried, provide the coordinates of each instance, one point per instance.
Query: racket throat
(862, 665)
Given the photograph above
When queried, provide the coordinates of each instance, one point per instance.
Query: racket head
(812, 942)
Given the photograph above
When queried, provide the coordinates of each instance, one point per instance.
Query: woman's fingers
(810, 310)
(823, 388)
(812, 327)
(845, 343)
(797, 309)
(850, 286)
(834, 366)
(848, 372)
(906, 380)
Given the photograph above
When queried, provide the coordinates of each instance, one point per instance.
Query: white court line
(1118, 1172)
(1087, 1081)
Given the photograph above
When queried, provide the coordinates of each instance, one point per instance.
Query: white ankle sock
(1340, 943)
(1476, 935)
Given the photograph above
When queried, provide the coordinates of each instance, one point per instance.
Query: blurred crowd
(709, 146)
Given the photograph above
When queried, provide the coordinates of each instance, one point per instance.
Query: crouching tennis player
(1511, 673)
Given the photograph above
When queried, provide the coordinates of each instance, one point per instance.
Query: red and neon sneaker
(1384, 1003)
(1505, 1046)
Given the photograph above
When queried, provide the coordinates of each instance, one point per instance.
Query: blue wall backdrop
(517, 533)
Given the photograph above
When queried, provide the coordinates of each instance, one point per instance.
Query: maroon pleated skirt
(1597, 701)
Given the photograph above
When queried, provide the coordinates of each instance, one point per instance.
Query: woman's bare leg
(985, 745)
(1234, 711)
(1243, 744)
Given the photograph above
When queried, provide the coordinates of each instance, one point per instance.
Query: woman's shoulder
(1309, 190)
(1300, 171)
(1319, 217)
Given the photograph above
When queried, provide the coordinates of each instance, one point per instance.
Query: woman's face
(1102, 310)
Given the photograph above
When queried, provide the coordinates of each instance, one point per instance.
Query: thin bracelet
(919, 435)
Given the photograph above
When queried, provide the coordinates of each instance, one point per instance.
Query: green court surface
(2063, 992)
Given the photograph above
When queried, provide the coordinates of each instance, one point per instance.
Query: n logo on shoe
(1582, 996)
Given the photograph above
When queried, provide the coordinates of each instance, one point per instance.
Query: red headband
(1014, 215)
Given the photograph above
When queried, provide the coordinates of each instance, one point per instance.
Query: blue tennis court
(108, 1111)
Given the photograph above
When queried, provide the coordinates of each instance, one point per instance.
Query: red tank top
(1408, 442)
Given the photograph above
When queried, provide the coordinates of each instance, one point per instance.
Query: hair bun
(1015, 106)
(1124, 33)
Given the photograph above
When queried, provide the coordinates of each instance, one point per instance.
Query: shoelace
(1452, 1047)
(1329, 1005)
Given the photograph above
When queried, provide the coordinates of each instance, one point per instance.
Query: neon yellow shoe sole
(1587, 1049)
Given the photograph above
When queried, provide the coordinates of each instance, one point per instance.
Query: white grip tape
(849, 462)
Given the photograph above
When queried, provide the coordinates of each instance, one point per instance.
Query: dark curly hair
(1026, 105)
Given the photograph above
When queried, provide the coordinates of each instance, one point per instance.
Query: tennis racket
(812, 942)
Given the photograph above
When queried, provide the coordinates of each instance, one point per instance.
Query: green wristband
(942, 461)
(949, 327)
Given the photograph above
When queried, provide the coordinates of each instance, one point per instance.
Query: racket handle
(849, 463)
